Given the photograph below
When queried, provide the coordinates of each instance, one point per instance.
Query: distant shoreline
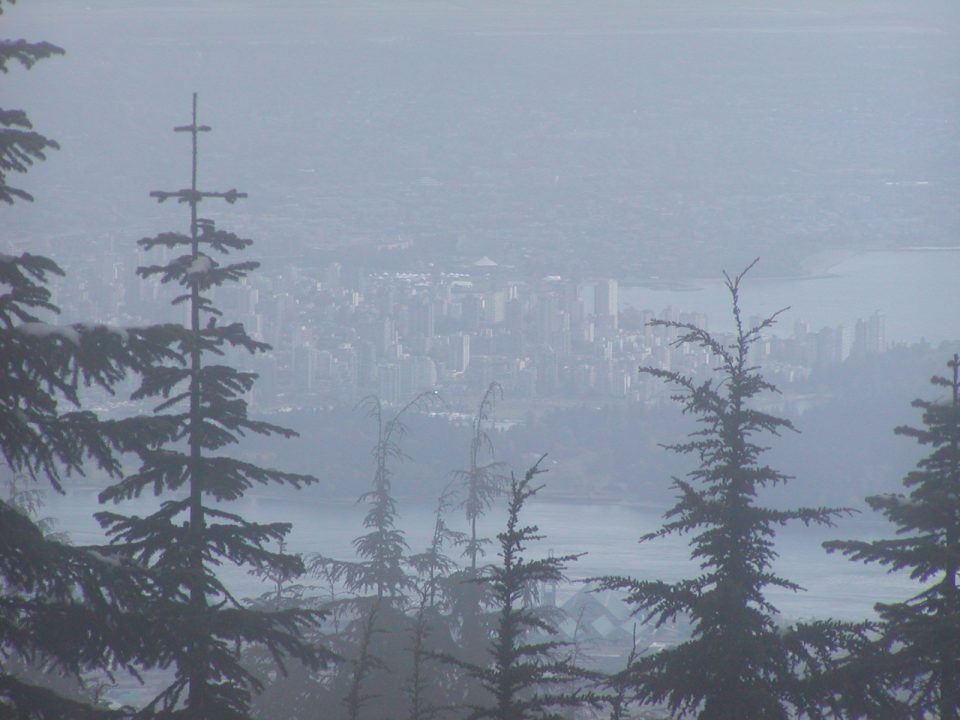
(819, 265)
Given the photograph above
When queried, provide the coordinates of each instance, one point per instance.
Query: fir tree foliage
(291, 689)
(190, 535)
(63, 610)
(375, 642)
(478, 485)
(739, 663)
(481, 481)
(528, 674)
(431, 685)
(918, 648)
(433, 566)
(20, 144)
(44, 431)
(380, 569)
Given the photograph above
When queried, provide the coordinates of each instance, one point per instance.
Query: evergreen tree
(526, 675)
(190, 535)
(63, 610)
(28, 499)
(433, 687)
(433, 566)
(482, 482)
(380, 569)
(375, 641)
(918, 650)
(292, 690)
(738, 663)
(20, 145)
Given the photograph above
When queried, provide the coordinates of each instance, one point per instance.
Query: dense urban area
(338, 334)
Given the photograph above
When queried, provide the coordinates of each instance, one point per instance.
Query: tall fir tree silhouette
(917, 654)
(64, 610)
(738, 663)
(527, 673)
(191, 534)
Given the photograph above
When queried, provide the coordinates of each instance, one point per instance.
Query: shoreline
(818, 266)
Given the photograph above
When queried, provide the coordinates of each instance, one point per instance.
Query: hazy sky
(711, 131)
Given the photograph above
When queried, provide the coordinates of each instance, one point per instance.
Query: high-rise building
(388, 339)
(495, 307)
(548, 318)
(460, 353)
(668, 314)
(366, 363)
(331, 276)
(877, 332)
(548, 371)
(423, 318)
(606, 300)
(514, 316)
(830, 345)
(388, 383)
(304, 368)
(472, 311)
(870, 335)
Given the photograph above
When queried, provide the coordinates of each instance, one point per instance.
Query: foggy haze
(450, 197)
(657, 146)
(673, 140)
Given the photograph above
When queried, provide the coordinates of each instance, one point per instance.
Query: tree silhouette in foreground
(20, 144)
(738, 663)
(203, 627)
(918, 650)
(63, 610)
(527, 674)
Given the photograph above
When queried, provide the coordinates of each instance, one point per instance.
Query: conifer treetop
(739, 662)
(204, 402)
(528, 673)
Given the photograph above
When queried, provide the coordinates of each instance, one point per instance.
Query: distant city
(339, 333)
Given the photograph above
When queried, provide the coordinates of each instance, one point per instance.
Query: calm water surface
(917, 291)
(608, 533)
